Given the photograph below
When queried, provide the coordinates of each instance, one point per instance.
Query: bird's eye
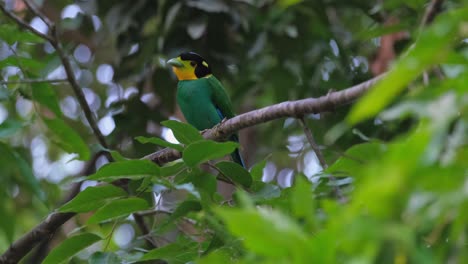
(193, 63)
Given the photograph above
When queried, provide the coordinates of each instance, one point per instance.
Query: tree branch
(47, 228)
(27, 242)
(39, 13)
(79, 92)
(432, 10)
(277, 111)
(140, 221)
(318, 152)
(25, 25)
(312, 142)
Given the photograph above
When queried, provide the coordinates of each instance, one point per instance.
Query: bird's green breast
(195, 100)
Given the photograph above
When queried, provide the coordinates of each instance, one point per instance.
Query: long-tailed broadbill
(201, 97)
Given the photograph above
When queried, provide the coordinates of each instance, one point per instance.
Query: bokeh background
(263, 51)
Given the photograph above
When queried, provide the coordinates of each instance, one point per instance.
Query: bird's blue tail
(236, 156)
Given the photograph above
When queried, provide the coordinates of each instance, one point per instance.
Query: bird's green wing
(223, 105)
(220, 98)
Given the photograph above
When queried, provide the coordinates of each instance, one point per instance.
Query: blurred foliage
(395, 190)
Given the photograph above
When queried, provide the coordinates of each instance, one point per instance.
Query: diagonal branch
(39, 13)
(321, 158)
(78, 92)
(25, 25)
(313, 143)
(47, 228)
(434, 7)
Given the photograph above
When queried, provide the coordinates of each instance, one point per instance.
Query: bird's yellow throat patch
(185, 73)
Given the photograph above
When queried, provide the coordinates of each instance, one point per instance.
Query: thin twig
(434, 8)
(312, 142)
(77, 90)
(224, 177)
(154, 212)
(140, 221)
(28, 81)
(39, 13)
(318, 153)
(80, 95)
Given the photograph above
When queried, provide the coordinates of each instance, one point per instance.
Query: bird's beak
(175, 62)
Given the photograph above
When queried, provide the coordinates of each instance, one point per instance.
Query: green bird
(200, 96)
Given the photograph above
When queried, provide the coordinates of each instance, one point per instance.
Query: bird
(201, 96)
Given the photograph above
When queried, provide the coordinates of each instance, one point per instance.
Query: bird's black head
(202, 68)
(189, 66)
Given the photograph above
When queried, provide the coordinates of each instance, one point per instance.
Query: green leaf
(45, 95)
(217, 256)
(378, 31)
(190, 188)
(11, 34)
(204, 183)
(159, 142)
(9, 127)
(257, 170)
(92, 198)
(116, 155)
(104, 258)
(235, 172)
(4, 93)
(172, 169)
(182, 210)
(128, 169)
(26, 63)
(205, 150)
(264, 191)
(266, 232)
(7, 225)
(118, 208)
(302, 202)
(441, 35)
(70, 247)
(287, 3)
(178, 252)
(28, 176)
(183, 132)
(11, 162)
(351, 163)
(68, 138)
(243, 199)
